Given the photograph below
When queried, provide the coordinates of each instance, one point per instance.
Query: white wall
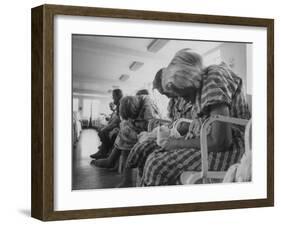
(237, 56)
(15, 114)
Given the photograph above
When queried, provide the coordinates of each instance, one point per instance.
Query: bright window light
(91, 108)
(75, 104)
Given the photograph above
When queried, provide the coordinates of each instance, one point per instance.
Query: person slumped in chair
(108, 134)
(178, 108)
(135, 113)
(214, 90)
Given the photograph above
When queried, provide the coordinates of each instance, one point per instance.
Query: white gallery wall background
(15, 111)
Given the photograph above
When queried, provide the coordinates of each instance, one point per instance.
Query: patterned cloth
(178, 108)
(155, 108)
(159, 167)
(129, 129)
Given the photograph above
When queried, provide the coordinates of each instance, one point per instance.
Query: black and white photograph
(159, 112)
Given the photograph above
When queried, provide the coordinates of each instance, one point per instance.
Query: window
(75, 104)
(91, 108)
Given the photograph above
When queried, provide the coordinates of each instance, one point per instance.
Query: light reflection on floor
(84, 175)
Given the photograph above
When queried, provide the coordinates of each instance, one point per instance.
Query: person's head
(183, 128)
(129, 107)
(187, 57)
(157, 83)
(183, 75)
(142, 92)
(116, 96)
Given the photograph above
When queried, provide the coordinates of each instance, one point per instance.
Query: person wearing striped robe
(215, 90)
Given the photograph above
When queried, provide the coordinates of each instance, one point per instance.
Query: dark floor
(85, 175)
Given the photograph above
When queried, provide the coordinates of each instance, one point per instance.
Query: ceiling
(99, 61)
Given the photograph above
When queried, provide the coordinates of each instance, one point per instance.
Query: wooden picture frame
(42, 203)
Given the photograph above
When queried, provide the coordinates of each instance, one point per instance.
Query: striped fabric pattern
(157, 173)
(160, 167)
(139, 154)
(178, 108)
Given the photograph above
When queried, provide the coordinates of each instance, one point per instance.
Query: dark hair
(129, 107)
(157, 81)
(142, 92)
(118, 93)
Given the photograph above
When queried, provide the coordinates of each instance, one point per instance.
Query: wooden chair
(205, 175)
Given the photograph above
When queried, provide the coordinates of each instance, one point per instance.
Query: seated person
(215, 90)
(112, 107)
(135, 113)
(154, 105)
(178, 108)
(108, 141)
